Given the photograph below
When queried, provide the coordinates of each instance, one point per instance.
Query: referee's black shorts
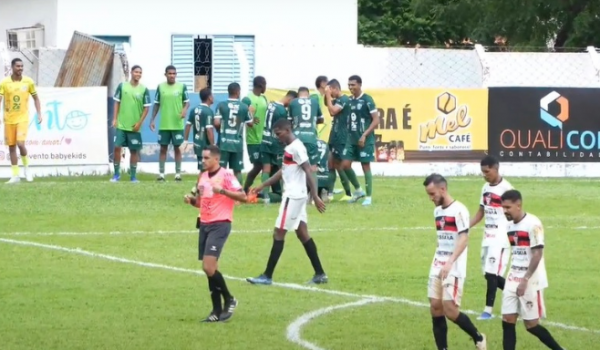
(212, 238)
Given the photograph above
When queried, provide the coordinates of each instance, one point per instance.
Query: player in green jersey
(173, 102)
(132, 101)
(271, 149)
(201, 119)
(360, 144)
(338, 105)
(257, 103)
(320, 84)
(231, 117)
(323, 170)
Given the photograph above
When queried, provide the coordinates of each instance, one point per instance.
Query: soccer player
(271, 150)
(449, 266)
(132, 102)
(231, 117)
(495, 245)
(523, 294)
(338, 105)
(173, 102)
(218, 191)
(296, 172)
(323, 170)
(360, 145)
(201, 121)
(320, 84)
(257, 103)
(15, 90)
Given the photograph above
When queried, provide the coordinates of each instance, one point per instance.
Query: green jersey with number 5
(201, 119)
(234, 115)
(360, 119)
(275, 111)
(304, 113)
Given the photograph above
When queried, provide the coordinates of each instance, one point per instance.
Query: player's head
(206, 96)
(303, 92)
(136, 73)
(335, 88)
(211, 156)
(283, 131)
(289, 97)
(233, 90)
(355, 85)
(260, 83)
(512, 203)
(321, 82)
(17, 66)
(436, 187)
(171, 74)
(489, 169)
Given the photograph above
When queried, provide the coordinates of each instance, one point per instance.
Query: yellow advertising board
(425, 119)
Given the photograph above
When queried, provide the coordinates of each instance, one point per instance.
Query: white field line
(266, 230)
(281, 285)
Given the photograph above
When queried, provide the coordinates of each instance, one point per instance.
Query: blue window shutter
(248, 43)
(224, 63)
(182, 57)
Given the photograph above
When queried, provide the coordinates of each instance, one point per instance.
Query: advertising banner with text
(73, 130)
(425, 120)
(544, 124)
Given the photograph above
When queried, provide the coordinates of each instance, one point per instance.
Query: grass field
(87, 264)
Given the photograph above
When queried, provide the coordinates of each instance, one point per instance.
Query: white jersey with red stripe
(449, 222)
(524, 236)
(294, 177)
(496, 225)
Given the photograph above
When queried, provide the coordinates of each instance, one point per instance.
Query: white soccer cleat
(28, 175)
(13, 180)
(481, 345)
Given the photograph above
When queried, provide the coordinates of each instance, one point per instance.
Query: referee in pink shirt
(218, 191)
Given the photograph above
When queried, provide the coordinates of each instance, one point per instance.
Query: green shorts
(322, 182)
(357, 154)
(254, 153)
(232, 160)
(129, 139)
(271, 158)
(313, 153)
(170, 137)
(336, 151)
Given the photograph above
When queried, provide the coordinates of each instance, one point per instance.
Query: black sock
(276, 251)
(215, 296)
(464, 322)
(545, 337)
(492, 285)
(501, 282)
(311, 251)
(440, 332)
(509, 336)
(221, 286)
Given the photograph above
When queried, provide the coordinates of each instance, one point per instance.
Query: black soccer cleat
(319, 279)
(230, 306)
(160, 179)
(213, 317)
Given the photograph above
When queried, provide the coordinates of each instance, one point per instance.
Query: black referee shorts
(212, 238)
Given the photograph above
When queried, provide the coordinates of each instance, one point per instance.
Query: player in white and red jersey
(494, 245)
(523, 293)
(295, 171)
(449, 267)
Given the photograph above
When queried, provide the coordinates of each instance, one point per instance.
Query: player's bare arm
(477, 218)
(239, 195)
(155, 110)
(184, 112)
(313, 187)
(186, 132)
(139, 124)
(38, 108)
(210, 135)
(370, 129)
(461, 245)
(116, 108)
(537, 253)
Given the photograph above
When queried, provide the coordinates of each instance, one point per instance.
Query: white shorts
(450, 290)
(494, 260)
(529, 307)
(291, 212)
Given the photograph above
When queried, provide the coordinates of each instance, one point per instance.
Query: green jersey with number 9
(304, 113)
(233, 115)
(201, 119)
(360, 119)
(270, 143)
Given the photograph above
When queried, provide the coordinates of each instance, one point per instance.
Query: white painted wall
(27, 13)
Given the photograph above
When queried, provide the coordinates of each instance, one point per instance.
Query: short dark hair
(205, 94)
(259, 81)
(303, 89)
(170, 67)
(435, 179)
(233, 88)
(213, 150)
(292, 94)
(334, 83)
(15, 61)
(489, 161)
(136, 67)
(512, 195)
(283, 124)
(320, 80)
(356, 78)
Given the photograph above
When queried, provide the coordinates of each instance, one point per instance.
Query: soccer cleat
(367, 201)
(213, 317)
(485, 316)
(134, 180)
(356, 196)
(177, 178)
(330, 197)
(115, 178)
(230, 306)
(338, 191)
(481, 345)
(161, 179)
(324, 195)
(262, 279)
(319, 279)
(28, 175)
(13, 180)
(345, 198)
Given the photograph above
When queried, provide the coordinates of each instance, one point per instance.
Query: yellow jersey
(15, 95)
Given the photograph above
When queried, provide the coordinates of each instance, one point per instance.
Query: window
(25, 38)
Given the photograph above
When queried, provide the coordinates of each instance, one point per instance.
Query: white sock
(162, 175)
(488, 309)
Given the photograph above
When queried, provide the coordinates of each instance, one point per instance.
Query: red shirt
(214, 206)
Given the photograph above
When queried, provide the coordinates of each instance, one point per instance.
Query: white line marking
(281, 285)
(295, 328)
